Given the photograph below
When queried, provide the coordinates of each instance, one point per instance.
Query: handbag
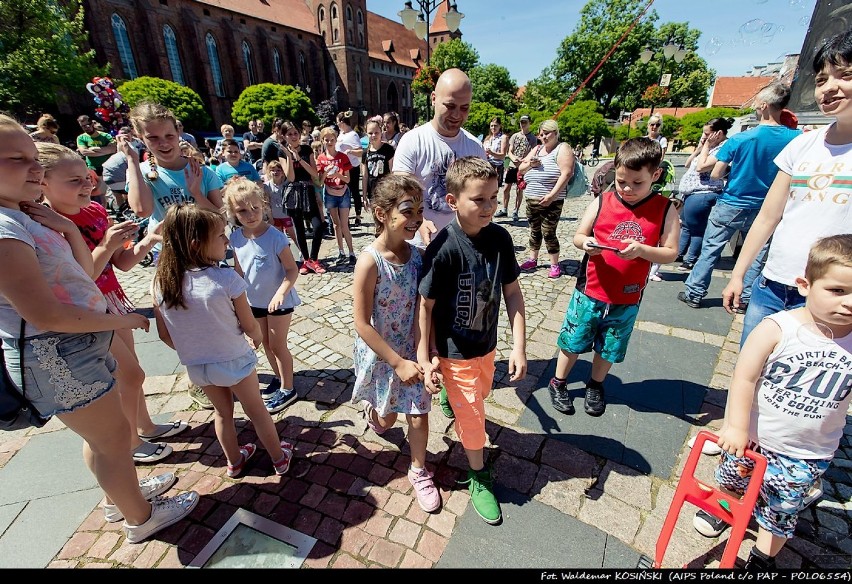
(16, 411)
(296, 196)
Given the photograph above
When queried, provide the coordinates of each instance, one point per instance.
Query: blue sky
(736, 34)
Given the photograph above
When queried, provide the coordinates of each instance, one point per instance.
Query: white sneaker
(164, 512)
(151, 488)
(710, 447)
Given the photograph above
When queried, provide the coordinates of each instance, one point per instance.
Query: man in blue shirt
(750, 156)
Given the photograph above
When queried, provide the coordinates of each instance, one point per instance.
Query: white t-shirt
(427, 155)
(69, 282)
(819, 204)
(347, 141)
(803, 394)
(207, 330)
(262, 267)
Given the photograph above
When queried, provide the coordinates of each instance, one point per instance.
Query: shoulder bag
(16, 411)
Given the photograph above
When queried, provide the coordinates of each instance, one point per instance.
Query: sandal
(368, 414)
(149, 452)
(246, 452)
(165, 430)
(283, 465)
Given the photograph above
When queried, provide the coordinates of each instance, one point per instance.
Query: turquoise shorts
(592, 324)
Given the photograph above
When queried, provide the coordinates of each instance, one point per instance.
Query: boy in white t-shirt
(808, 199)
(788, 401)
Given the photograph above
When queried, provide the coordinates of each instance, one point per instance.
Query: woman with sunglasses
(47, 129)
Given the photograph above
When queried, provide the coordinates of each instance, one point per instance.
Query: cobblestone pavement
(348, 486)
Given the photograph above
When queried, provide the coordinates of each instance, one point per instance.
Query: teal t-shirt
(225, 171)
(170, 188)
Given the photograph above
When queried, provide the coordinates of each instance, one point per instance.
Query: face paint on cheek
(404, 206)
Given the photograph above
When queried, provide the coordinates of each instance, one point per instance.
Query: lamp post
(671, 50)
(419, 23)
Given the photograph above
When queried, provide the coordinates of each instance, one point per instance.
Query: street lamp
(419, 23)
(671, 50)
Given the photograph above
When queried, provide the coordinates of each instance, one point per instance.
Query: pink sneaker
(530, 264)
(555, 271)
(425, 490)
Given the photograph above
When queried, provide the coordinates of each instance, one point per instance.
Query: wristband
(433, 353)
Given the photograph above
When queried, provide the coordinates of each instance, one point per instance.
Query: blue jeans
(696, 212)
(768, 297)
(723, 222)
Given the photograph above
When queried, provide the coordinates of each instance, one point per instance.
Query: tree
(268, 101)
(493, 84)
(692, 125)
(41, 54)
(455, 53)
(183, 101)
(480, 115)
(581, 123)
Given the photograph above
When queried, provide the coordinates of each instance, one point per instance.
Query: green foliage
(268, 101)
(420, 104)
(183, 101)
(493, 84)
(480, 115)
(692, 125)
(455, 53)
(42, 54)
(581, 123)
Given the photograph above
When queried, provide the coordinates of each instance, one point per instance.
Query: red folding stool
(734, 511)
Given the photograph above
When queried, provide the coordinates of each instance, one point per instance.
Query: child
(233, 163)
(202, 313)
(378, 160)
(388, 379)
(273, 189)
(795, 361)
(166, 179)
(638, 227)
(62, 346)
(807, 199)
(466, 269)
(333, 167)
(262, 256)
(66, 190)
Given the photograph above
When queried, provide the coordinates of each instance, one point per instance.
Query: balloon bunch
(109, 107)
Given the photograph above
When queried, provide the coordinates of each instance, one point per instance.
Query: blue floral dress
(394, 305)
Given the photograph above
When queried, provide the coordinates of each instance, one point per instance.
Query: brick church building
(219, 47)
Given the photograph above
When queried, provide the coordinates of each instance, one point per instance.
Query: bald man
(428, 150)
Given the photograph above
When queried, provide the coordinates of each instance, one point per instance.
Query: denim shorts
(63, 372)
(592, 324)
(343, 201)
(223, 374)
(782, 493)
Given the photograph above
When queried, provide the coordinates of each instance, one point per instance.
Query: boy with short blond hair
(788, 401)
(622, 233)
(467, 267)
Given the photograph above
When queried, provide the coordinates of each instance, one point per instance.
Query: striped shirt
(541, 179)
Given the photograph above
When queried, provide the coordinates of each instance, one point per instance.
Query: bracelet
(433, 354)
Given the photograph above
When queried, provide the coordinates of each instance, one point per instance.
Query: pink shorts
(468, 383)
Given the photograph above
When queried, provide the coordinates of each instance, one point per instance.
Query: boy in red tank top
(622, 233)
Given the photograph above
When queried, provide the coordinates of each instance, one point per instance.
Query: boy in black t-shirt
(467, 267)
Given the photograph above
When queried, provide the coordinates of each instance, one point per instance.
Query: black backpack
(604, 179)
(16, 411)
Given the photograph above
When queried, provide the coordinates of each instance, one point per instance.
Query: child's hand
(276, 302)
(255, 338)
(733, 441)
(118, 234)
(135, 320)
(517, 365)
(48, 217)
(125, 148)
(192, 174)
(592, 251)
(409, 371)
(432, 377)
(633, 250)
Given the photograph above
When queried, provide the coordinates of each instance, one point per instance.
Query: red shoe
(305, 268)
(317, 267)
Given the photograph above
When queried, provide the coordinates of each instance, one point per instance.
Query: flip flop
(149, 452)
(166, 430)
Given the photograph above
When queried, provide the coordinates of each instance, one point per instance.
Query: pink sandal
(283, 465)
(246, 452)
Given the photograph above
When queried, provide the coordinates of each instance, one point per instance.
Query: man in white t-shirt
(428, 150)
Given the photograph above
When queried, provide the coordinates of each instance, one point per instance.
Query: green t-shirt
(84, 140)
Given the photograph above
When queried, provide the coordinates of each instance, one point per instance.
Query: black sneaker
(559, 397)
(594, 404)
(352, 260)
(687, 300)
(741, 309)
(707, 524)
(685, 267)
(341, 259)
(759, 562)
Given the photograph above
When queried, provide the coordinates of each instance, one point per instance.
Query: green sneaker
(446, 408)
(481, 488)
(199, 397)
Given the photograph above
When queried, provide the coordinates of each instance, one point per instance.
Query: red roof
(405, 43)
(439, 23)
(678, 112)
(736, 91)
(284, 12)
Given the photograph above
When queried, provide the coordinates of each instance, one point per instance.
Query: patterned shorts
(592, 324)
(785, 485)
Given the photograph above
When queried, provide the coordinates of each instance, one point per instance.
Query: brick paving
(347, 486)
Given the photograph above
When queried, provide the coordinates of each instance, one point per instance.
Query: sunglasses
(653, 125)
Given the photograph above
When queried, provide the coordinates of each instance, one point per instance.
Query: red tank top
(608, 277)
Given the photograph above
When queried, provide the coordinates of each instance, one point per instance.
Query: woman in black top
(377, 160)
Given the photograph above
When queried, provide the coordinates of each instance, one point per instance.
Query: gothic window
(249, 63)
(173, 54)
(276, 66)
(215, 68)
(125, 51)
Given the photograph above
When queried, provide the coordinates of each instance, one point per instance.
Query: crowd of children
(426, 320)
